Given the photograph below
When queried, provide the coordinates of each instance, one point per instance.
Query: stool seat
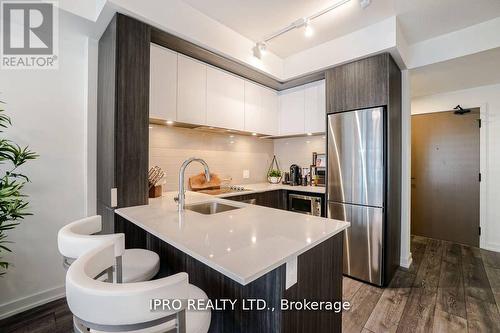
(196, 321)
(139, 265)
(126, 307)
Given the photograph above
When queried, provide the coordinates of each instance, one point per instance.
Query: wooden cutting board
(199, 182)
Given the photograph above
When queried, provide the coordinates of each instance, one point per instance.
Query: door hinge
(479, 122)
(480, 176)
(479, 231)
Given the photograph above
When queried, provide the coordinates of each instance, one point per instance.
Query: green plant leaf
(13, 203)
(274, 173)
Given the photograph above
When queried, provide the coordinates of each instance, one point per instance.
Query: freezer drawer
(356, 157)
(363, 251)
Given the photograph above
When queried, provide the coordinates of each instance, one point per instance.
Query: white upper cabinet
(291, 110)
(253, 108)
(315, 107)
(270, 112)
(163, 84)
(302, 109)
(191, 91)
(225, 100)
(261, 109)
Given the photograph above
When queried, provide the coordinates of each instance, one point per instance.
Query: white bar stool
(125, 307)
(132, 265)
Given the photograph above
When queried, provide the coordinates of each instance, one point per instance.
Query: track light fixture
(259, 50)
(364, 3)
(305, 22)
(308, 30)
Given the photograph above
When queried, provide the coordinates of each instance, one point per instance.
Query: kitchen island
(251, 252)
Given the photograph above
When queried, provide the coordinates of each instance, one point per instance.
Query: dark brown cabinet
(360, 84)
(122, 116)
(277, 199)
(273, 199)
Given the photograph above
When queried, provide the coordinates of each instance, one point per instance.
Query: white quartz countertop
(243, 244)
(265, 187)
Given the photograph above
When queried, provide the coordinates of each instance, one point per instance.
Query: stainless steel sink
(209, 208)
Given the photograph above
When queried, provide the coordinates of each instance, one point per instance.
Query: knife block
(155, 191)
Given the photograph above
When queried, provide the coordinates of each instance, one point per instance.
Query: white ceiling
(419, 19)
(460, 73)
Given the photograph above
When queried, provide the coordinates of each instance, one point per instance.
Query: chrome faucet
(182, 195)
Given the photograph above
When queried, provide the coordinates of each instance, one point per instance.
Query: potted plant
(274, 176)
(13, 204)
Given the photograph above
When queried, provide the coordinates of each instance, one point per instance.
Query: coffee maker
(295, 175)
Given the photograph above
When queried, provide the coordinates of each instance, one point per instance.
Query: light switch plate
(114, 197)
(291, 273)
(246, 174)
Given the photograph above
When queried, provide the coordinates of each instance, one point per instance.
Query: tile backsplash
(298, 150)
(226, 154)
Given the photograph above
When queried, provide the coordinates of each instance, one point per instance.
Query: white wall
(488, 98)
(49, 113)
(406, 257)
(373, 39)
(477, 38)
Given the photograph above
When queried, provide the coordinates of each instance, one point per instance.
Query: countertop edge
(239, 279)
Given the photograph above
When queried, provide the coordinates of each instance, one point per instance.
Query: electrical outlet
(246, 174)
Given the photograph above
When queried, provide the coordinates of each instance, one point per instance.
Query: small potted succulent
(274, 176)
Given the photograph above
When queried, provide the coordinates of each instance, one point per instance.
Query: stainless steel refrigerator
(356, 188)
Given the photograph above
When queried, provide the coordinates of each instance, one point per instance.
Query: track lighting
(364, 3)
(259, 50)
(260, 47)
(308, 30)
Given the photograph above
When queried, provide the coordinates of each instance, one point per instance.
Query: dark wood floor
(53, 317)
(448, 288)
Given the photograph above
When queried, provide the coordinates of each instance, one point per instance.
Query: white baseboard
(406, 262)
(491, 246)
(29, 302)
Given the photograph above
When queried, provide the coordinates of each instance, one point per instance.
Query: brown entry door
(445, 176)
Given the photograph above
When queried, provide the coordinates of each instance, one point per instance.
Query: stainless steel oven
(305, 204)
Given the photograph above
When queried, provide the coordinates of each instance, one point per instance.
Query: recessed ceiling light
(254, 134)
(309, 134)
(169, 122)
